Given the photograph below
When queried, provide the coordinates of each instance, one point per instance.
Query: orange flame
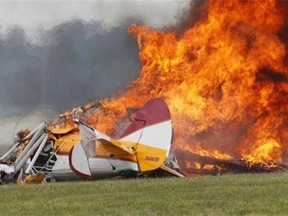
(224, 79)
(267, 151)
(197, 148)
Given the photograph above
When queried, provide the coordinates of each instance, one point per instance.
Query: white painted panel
(158, 135)
(98, 167)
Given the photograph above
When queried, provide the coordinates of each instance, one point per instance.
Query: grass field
(246, 194)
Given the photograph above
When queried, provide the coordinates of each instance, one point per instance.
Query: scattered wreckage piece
(219, 166)
(23, 156)
(73, 153)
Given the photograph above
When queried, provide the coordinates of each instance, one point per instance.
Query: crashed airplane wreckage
(207, 165)
(41, 155)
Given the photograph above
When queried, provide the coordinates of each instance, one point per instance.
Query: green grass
(247, 194)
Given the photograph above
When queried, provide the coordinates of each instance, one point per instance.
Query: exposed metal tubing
(33, 132)
(6, 156)
(9, 152)
(28, 154)
(37, 154)
(31, 143)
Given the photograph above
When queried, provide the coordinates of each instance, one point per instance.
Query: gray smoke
(75, 63)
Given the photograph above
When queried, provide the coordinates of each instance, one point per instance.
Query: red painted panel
(153, 112)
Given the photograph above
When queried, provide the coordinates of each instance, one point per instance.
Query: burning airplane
(224, 79)
(50, 153)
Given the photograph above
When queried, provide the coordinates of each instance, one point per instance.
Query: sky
(44, 14)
